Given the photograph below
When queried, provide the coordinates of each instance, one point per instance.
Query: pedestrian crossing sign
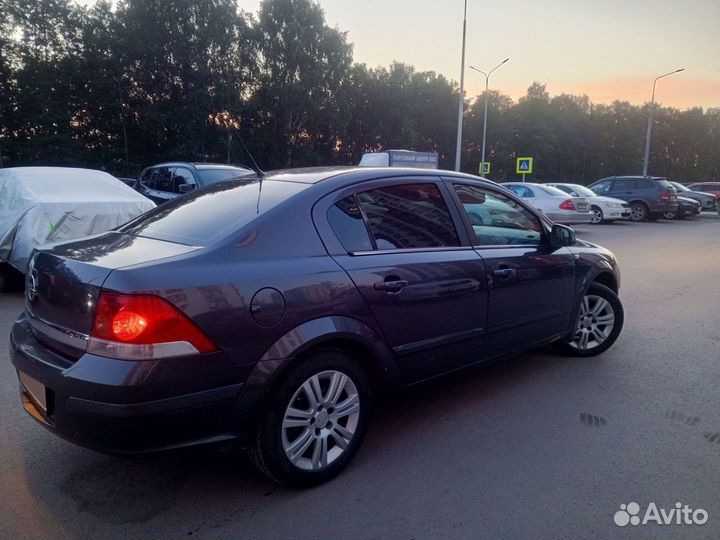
(524, 165)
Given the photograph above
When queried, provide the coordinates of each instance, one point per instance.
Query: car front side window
(496, 219)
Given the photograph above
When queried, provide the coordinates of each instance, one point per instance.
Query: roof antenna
(254, 165)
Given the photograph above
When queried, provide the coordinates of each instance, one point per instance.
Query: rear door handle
(390, 286)
(504, 273)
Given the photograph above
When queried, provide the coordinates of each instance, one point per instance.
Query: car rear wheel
(314, 422)
(638, 212)
(600, 320)
(597, 215)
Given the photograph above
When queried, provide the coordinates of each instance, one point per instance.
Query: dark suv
(267, 311)
(649, 196)
(165, 181)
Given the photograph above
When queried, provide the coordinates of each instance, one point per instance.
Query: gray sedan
(554, 203)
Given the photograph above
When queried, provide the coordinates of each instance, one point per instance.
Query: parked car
(649, 196)
(707, 201)
(268, 311)
(604, 209)
(686, 207)
(55, 204)
(557, 205)
(706, 187)
(165, 181)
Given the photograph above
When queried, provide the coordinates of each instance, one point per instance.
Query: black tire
(10, 279)
(268, 451)
(598, 216)
(671, 214)
(571, 345)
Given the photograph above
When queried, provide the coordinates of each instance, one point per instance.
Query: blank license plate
(36, 389)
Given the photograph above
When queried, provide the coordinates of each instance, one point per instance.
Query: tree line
(125, 85)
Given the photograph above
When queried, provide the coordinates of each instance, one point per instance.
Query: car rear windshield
(208, 215)
(582, 191)
(555, 192)
(212, 176)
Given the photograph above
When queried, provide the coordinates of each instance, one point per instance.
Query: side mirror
(186, 188)
(561, 236)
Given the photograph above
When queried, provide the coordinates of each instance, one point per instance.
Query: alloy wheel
(597, 215)
(595, 323)
(321, 420)
(638, 212)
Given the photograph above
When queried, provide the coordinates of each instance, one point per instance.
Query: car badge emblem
(32, 285)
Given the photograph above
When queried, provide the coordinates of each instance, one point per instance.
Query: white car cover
(53, 204)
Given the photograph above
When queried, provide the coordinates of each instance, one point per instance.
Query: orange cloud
(675, 91)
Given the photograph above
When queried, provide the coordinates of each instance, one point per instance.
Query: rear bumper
(571, 218)
(120, 407)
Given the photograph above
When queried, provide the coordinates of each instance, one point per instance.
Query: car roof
(199, 166)
(632, 177)
(342, 175)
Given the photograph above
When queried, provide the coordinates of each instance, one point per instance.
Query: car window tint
(204, 216)
(624, 185)
(148, 178)
(551, 190)
(408, 216)
(601, 187)
(347, 223)
(643, 183)
(496, 219)
(568, 190)
(163, 179)
(181, 176)
(211, 176)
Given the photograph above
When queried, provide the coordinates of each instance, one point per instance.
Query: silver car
(554, 203)
(605, 209)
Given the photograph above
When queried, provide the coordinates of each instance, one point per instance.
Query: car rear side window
(408, 216)
(625, 185)
(644, 183)
(346, 221)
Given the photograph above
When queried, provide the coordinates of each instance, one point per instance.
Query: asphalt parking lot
(540, 446)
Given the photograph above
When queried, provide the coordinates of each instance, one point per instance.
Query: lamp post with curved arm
(487, 83)
(650, 120)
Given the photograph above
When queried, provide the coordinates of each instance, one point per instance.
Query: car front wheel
(670, 214)
(315, 421)
(600, 320)
(597, 215)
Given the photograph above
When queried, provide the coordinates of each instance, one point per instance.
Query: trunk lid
(63, 283)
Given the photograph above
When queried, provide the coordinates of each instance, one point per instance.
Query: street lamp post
(487, 83)
(650, 120)
(461, 104)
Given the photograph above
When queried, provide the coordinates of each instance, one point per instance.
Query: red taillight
(567, 205)
(668, 196)
(145, 320)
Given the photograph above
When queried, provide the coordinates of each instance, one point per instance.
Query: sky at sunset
(607, 49)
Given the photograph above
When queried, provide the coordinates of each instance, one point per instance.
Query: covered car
(40, 205)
